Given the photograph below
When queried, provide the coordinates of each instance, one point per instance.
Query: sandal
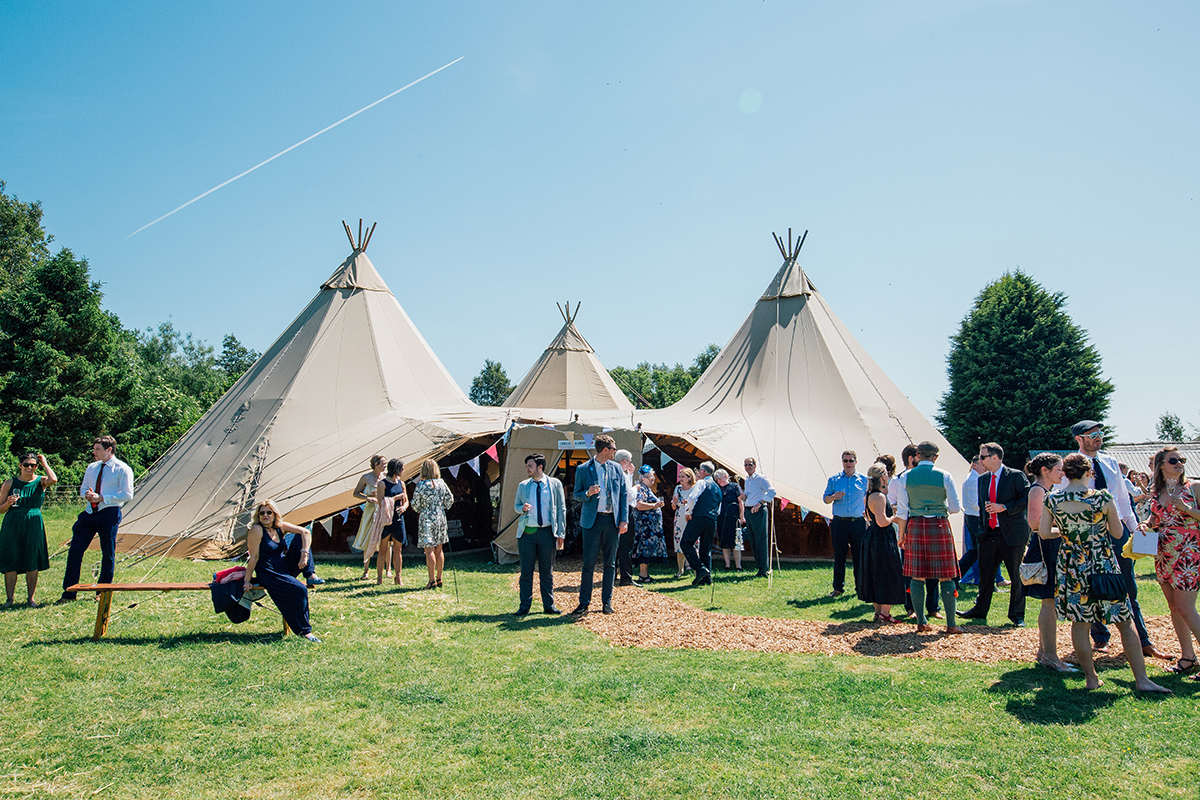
(439, 583)
(431, 585)
(1180, 669)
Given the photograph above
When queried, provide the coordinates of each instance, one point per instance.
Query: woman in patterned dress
(1173, 513)
(431, 499)
(1045, 471)
(22, 533)
(682, 501)
(649, 544)
(1088, 523)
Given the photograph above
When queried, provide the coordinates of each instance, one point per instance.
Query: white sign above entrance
(576, 444)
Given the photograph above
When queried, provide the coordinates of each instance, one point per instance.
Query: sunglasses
(29, 465)
(1095, 435)
(1176, 460)
(849, 461)
(266, 512)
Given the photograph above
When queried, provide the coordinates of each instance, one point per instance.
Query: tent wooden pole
(349, 234)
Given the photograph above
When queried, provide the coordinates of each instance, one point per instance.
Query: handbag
(1109, 586)
(1035, 572)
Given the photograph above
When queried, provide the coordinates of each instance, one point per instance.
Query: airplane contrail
(293, 147)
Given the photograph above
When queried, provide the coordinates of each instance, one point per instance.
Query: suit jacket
(557, 511)
(590, 474)
(1012, 491)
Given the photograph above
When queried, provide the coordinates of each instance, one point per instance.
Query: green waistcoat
(926, 492)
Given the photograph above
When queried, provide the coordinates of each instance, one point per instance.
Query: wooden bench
(105, 591)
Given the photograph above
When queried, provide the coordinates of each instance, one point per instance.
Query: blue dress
(648, 541)
(276, 571)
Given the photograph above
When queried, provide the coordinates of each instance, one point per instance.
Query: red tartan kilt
(929, 549)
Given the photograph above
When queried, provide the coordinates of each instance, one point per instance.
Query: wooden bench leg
(103, 606)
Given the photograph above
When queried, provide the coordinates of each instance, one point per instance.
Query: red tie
(993, 522)
(100, 472)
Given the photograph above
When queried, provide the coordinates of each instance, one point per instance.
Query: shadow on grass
(1037, 696)
(168, 642)
(823, 600)
(892, 643)
(511, 622)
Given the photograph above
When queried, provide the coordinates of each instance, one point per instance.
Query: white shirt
(602, 498)
(116, 483)
(631, 491)
(893, 492)
(952, 505)
(758, 490)
(970, 494)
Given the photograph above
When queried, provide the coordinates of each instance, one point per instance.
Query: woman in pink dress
(1176, 518)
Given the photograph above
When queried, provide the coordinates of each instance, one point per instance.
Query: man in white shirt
(107, 485)
(759, 497)
(541, 529)
(1106, 474)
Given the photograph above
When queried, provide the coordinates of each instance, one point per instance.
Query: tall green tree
(23, 241)
(64, 378)
(1170, 428)
(658, 385)
(1021, 372)
(490, 387)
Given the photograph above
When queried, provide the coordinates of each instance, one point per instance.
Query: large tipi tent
(349, 377)
(794, 389)
(568, 376)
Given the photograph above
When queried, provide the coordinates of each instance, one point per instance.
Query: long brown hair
(1160, 480)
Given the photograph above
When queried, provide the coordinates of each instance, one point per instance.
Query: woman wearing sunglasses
(1173, 514)
(275, 561)
(22, 534)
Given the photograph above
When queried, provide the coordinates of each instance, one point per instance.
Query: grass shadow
(511, 622)
(1036, 696)
(169, 642)
(823, 600)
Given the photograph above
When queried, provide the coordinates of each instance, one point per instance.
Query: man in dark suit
(1004, 533)
(603, 517)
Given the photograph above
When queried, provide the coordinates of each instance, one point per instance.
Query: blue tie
(538, 489)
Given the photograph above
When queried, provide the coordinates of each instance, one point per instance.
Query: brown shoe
(924, 628)
(953, 630)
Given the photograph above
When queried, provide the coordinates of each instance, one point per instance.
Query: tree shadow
(169, 642)
(1037, 696)
(511, 622)
(857, 611)
(904, 640)
(823, 600)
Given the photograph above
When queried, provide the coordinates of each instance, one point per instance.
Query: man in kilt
(926, 497)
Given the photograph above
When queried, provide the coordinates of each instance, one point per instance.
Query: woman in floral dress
(431, 499)
(1173, 513)
(649, 544)
(1088, 523)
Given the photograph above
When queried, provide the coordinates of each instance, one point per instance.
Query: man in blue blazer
(540, 530)
(600, 487)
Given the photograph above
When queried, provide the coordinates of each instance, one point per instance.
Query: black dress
(394, 530)
(276, 571)
(881, 579)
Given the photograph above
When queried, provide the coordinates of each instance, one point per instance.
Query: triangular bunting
(454, 470)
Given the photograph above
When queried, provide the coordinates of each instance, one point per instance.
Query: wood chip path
(653, 619)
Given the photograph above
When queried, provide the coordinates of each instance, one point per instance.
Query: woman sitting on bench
(278, 559)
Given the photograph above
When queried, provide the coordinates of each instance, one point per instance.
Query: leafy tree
(1020, 372)
(63, 381)
(490, 387)
(658, 385)
(1170, 428)
(235, 358)
(23, 241)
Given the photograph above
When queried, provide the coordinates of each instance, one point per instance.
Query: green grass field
(417, 694)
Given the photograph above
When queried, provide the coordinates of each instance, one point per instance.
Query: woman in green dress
(1088, 523)
(22, 534)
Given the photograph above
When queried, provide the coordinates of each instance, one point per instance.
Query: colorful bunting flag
(454, 470)
(491, 451)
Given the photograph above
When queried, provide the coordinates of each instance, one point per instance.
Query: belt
(849, 518)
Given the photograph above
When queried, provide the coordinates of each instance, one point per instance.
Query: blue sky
(635, 156)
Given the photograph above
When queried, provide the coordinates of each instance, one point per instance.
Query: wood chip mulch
(653, 619)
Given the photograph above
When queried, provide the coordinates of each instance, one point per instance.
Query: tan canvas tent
(351, 376)
(568, 376)
(548, 440)
(793, 388)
